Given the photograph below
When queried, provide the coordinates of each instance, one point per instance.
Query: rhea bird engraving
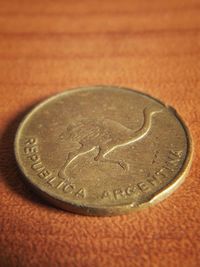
(104, 136)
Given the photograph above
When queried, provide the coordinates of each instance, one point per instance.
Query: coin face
(103, 150)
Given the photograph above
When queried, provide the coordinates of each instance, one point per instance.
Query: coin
(103, 150)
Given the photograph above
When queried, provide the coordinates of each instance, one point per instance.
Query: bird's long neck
(146, 126)
(140, 133)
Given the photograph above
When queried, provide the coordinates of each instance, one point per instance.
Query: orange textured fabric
(48, 46)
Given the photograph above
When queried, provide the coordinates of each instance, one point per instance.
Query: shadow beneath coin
(11, 174)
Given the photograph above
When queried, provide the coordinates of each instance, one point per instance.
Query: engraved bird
(104, 136)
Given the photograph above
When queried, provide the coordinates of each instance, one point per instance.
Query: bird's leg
(70, 157)
(123, 164)
(101, 156)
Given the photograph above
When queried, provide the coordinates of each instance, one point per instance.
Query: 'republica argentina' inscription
(31, 150)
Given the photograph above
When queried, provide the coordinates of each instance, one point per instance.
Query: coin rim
(106, 209)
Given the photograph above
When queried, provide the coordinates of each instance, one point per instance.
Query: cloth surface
(48, 46)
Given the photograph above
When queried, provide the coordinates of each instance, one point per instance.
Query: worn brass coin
(103, 150)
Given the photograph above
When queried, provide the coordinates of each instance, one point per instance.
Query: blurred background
(48, 46)
(137, 43)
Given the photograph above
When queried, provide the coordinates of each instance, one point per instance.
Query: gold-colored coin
(103, 150)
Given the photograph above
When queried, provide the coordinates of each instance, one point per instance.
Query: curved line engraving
(106, 136)
(140, 133)
(70, 160)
